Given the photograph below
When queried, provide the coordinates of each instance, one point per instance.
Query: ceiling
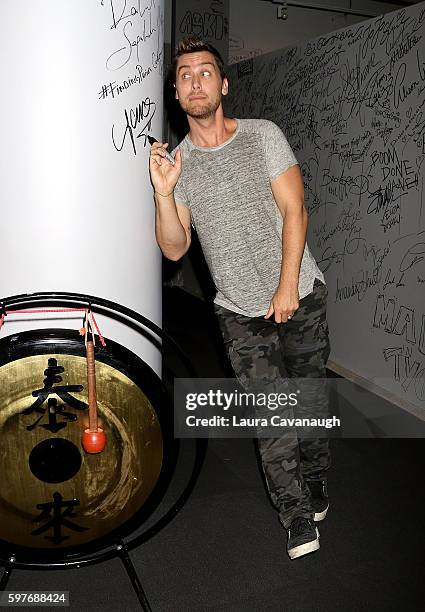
(400, 2)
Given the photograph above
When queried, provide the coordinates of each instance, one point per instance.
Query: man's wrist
(288, 284)
(164, 195)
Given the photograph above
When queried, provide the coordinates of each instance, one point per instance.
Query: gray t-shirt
(227, 189)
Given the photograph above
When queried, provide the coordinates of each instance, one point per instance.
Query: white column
(81, 85)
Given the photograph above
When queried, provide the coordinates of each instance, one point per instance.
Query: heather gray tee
(227, 189)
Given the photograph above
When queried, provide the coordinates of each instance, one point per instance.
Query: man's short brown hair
(194, 44)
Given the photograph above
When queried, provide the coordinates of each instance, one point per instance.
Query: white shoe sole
(306, 548)
(319, 516)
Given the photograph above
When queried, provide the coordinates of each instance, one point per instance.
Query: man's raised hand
(164, 175)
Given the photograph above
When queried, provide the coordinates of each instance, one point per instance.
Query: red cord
(42, 310)
(45, 310)
(102, 341)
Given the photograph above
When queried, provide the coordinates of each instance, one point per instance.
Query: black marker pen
(167, 155)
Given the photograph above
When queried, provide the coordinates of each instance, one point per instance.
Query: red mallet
(93, 439)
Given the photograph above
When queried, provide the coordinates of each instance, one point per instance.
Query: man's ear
(225, 87)
(176, 94)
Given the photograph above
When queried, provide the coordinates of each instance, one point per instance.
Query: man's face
(198, 84)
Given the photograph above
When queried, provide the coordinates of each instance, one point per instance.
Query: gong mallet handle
(93, 439)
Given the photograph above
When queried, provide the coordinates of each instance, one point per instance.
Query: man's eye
(186, 76)
(206, 73)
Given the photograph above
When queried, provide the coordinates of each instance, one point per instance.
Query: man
(240, 185)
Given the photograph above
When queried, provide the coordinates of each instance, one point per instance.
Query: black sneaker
(319, 501)
(303, 537)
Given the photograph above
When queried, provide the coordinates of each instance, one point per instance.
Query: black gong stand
(117, 544)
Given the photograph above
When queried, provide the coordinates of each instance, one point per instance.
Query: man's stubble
(198, 110)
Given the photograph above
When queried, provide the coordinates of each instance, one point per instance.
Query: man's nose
(196, 83)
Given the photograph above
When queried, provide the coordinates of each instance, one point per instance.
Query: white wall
(77, 202)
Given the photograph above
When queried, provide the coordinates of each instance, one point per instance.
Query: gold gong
(106, 489)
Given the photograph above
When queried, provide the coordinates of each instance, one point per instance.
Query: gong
(54, 497)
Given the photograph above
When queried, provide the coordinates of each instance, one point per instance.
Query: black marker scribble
(136, 23)
(137, 124)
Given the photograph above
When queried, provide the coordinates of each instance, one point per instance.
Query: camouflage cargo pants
(264, 355)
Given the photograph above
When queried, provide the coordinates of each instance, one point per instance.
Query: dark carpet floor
(226, 552)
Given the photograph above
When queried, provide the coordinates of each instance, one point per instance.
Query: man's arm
(288, 192)
(172, 227)
(172, 221)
